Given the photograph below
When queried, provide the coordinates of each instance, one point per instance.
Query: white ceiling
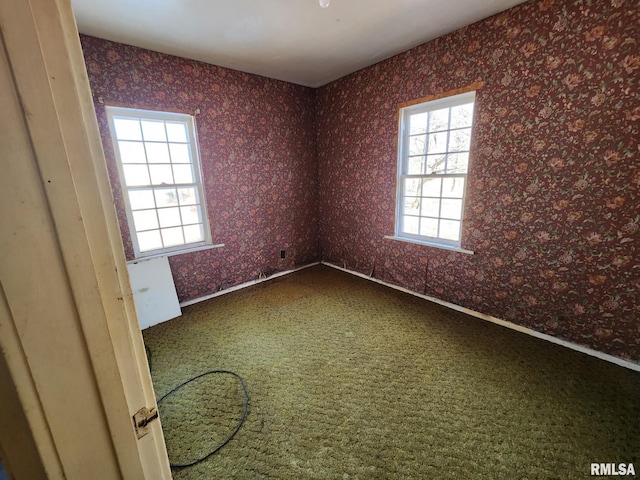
(292, 40)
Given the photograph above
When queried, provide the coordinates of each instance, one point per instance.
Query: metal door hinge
(142, 419)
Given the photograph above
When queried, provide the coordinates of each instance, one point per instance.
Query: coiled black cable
(235, 430)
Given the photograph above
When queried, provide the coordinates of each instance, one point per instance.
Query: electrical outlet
(283, 253)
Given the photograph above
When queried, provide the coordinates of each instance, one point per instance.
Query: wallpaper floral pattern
(552, 209)
(258, 154)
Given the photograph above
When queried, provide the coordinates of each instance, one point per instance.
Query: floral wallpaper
(552, 208)
(258, 154)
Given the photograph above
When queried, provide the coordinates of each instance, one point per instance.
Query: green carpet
(353, 380)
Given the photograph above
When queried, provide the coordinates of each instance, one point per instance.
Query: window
(161, 180)
(433, 162)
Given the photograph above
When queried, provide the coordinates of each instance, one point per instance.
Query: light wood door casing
(73, 369)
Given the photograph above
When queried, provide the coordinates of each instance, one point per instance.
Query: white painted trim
(176, 252)
(197, 184)
(245, 285)
(443, 246)
(403, 175)
(573, 346)
(56, 189)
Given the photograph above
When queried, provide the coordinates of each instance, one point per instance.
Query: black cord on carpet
(240, 423)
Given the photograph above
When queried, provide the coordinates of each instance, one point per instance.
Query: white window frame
(134, 113)
(403, 175)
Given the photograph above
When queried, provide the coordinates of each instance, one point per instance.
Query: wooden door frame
(73, 368)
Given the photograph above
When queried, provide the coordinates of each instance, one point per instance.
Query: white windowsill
(176, 252)
(430, 244)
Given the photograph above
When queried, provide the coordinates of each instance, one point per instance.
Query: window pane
(418, 123)
(135, 175)
(450, 230)
(166, 197)
(191, 214)
(157, 152)
(430, 207)
(177, 132)
(416, 165)
(145, 220)
(417, 145)
(435, 159)
(439, 120)
(193, 233)
(169, 217)
(436, 163)
(183, 173)
(453, 187)
(459, 140)
(179, 153)
(429, 227)
(410, 225)
(412, 186)
(172, 236)
(462, 116)
(132, 152)
(431, 187)
(127, 129)
(451, 209)
(153, 130)
(458, 162)
(187, 196)
(149, 240)
(437, 142)
(140, 199)
(161, 174)
(411, 205)
(160, 178)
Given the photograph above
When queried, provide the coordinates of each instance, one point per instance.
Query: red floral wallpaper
(552, 209)
(258, 154)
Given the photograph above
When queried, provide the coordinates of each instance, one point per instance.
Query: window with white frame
(433, 161)
(161, 180)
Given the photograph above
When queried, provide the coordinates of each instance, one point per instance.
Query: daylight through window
(435, 140)
(160, 175)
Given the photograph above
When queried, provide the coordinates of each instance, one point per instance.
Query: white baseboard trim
(498, 321)
(245, 285)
